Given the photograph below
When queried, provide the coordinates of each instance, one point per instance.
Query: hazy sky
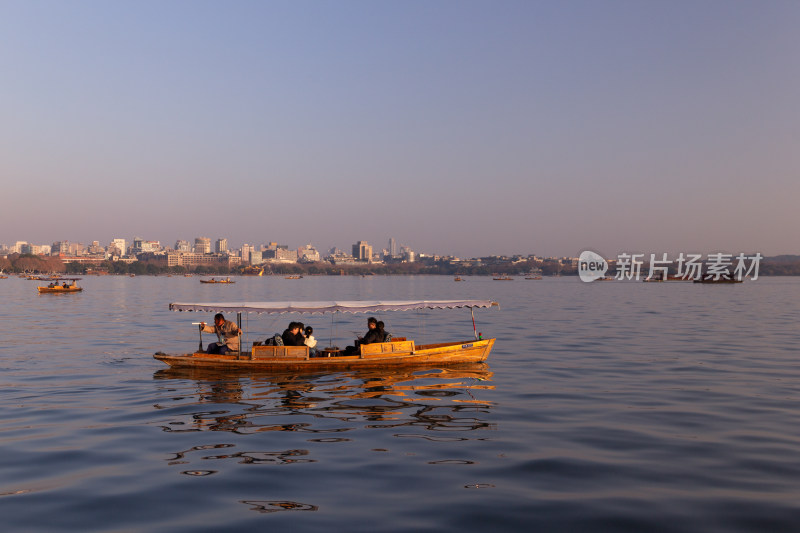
(458, 127)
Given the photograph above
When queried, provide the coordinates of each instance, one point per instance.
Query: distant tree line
(29, 263)
(788, 265)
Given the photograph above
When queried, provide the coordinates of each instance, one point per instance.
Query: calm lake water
(615, 406)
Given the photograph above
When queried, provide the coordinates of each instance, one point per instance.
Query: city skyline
(466, 129)
(202, 244)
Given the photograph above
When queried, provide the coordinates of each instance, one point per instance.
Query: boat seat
(284, 353)
(381, 349)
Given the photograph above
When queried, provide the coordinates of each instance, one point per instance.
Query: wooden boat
(458, 278)
(55, 288)
(504, 277)
(212, 280)
(293, 276)
(659, 277)
(399, 351)
(252, 271)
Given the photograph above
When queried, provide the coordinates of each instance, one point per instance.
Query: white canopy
(328, 307)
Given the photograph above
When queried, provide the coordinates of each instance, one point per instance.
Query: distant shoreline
(16, 264)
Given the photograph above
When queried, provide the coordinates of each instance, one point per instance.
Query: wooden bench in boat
(300, 353)
(381, 349)
(284, 353)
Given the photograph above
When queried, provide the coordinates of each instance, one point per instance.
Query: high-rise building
(246, 253)
(182, 246)
(362, 251)
(308, 254)
(221, 246)
(117, 247)
(96, 249)
(60, 248)
(392, 247)
(202, 245)
(141, 246)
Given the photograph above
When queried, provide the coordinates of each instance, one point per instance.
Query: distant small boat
(721, 280)
(294, 276)
(503, 278)
(534, 275)
(458, 278)
(212, 280)
(54, 288)
(670, 277)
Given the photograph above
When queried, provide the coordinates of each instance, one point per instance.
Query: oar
(200, 329)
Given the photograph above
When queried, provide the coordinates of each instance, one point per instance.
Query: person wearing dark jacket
(292, 335)
(372, 336)
(381, 331)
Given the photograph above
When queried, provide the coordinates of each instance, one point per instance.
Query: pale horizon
(457, 128)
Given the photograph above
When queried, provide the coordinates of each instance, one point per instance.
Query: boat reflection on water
(441, 398)
(304, 420)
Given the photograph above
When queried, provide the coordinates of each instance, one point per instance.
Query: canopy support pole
(474, 329)
(239, 325)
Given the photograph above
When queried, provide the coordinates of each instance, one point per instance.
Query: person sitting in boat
(292, 335)
(65, 285)
(373, 335)
(227, 335)
(310, 341)
(383, 334)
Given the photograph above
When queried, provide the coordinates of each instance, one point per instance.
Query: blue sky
(456, 127)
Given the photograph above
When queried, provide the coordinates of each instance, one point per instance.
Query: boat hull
(450, 353)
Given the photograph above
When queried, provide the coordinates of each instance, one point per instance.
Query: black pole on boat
(239, 333)
(200, 329)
